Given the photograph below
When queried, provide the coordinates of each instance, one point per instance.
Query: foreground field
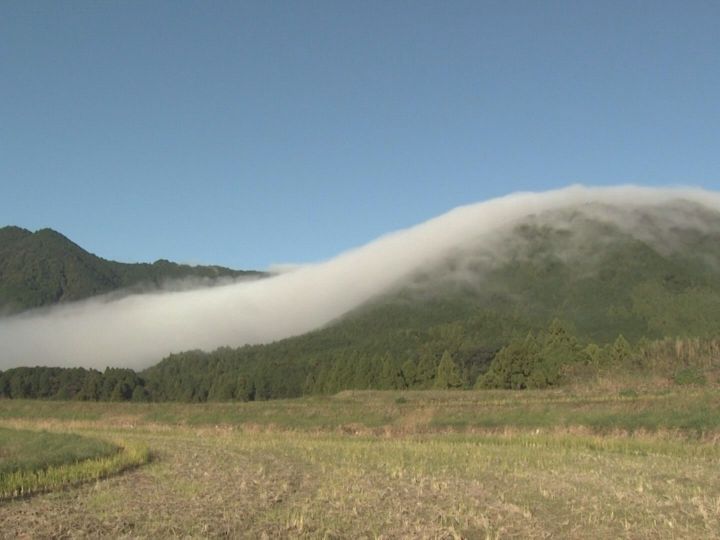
(436, 465)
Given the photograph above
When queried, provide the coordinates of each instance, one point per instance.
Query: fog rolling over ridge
(138, 330)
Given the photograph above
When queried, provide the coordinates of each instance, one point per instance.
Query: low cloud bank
(138, 330)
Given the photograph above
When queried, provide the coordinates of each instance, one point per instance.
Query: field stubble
(355, 480)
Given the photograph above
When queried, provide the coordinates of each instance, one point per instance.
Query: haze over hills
(645, 273)
(45, 268)
(637, 261)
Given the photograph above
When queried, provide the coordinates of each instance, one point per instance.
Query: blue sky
(251, 133)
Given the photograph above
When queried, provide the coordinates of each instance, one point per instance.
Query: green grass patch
(36, 461)
(689, 376)
(693, 413)
(22, 450)
(691, 410)
(70, 410)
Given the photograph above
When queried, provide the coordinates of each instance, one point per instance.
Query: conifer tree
(390, 376)
(621, 351)
(447, 373)
(512, 366)
(426, 370)
(409, 373)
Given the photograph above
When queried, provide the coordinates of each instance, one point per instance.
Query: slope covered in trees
(544, 359)
(653, 279)
(551, 297)
(45, 268)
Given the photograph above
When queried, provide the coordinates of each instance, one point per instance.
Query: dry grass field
(390, 465)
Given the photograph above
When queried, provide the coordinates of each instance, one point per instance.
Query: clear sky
(251, 133)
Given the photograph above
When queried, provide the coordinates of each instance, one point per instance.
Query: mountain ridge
(485, 259)
(44, 268)
(632, 287)
(586, 288)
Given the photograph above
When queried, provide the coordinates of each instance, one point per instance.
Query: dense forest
(44, 268)
(538, 360)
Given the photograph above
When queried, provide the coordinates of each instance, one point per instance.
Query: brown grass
(403, 479)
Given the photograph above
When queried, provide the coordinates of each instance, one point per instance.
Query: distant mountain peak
(45, 267)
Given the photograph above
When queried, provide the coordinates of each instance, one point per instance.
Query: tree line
(546, 358)
(113, 384)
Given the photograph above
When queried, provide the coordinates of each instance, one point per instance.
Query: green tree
(621, 352)
(426, 370)
(390, 375)
(594, 354)
(223, 389)
(512, 366)
(447, 375)
(558, 348)
(92, 387)
(409, 373)
(139, 394)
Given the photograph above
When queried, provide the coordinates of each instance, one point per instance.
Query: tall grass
(667, 355)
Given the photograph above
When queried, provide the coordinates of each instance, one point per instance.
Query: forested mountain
(553, 295)
(45, 268)
(647, 280)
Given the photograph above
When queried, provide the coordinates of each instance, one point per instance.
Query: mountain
(45, 268)
(602, 271)
(648, 273)
(543, 292)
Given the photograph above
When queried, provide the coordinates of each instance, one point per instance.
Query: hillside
(591, 288)
(45, 268)
(646, 276)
